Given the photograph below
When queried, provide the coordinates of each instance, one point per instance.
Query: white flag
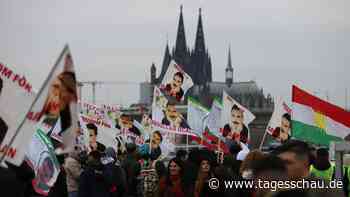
(235, 119)
(56, 102)
(16, 97)
(213, 122)
(196, 115)
(176, 82)
(280, 123)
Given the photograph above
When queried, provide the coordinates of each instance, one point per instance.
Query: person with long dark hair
(172, 185)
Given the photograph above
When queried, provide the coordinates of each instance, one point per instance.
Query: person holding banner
(3, 125)
(152, 149)
(174, 88)
(236, 130)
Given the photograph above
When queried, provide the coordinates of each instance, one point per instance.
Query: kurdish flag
(316, 120)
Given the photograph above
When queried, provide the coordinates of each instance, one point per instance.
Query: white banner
(176, 82)
(41, 157)
(213, 121)
(196, 116)
(56, 102)
(280, 123)
(16, 97)
(235, 119)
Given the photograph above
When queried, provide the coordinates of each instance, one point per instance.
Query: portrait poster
(176, 82)
(279, 126)
(16, 97)
(41, 157)
(56, 102)
(235, 120)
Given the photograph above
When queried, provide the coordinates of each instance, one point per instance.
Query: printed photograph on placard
(279, 126)
(176, 82)
(235, 120)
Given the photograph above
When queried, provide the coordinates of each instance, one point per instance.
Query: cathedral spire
(166, 62)
(229, 69)
(199, 44)
(229, 62)
(180, 45)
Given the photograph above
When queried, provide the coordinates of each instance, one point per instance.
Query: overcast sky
(275, 42)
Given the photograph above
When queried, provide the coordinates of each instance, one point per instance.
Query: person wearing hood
(114, 174)
(322, 168)
(92, 183)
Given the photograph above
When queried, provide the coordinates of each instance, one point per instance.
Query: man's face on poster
(285, 126)
(92, 136)
(171, 112)
(237, 120)
(54, 97)
(177, 82)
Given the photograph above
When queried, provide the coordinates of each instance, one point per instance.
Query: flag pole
(263, 140)
(187, 142)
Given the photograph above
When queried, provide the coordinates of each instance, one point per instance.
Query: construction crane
(94, 83)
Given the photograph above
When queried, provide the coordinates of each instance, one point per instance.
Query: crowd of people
(138, 173)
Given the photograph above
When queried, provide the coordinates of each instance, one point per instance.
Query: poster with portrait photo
(41, 157)
(56, 102)
(98, 136)
(235, 120)
(161, 143)
(16, 97)
(176, 82)
(279, 126)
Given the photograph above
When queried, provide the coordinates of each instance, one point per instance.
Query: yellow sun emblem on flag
(320, 120)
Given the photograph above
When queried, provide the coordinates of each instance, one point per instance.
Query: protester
(322, 167)
(204, 174)
(246, 169)
(59, 189)
(296, 154)
(73, 170)
(92, 182)
(154, 144)
(132, 169)
(173, 184)
(113, 173)
(93, 143)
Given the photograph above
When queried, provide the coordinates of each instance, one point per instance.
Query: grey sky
(275, 42)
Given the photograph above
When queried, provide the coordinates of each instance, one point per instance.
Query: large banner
(176, 82)
(41, 157)
(280, 124)
(16, 97)
(235, 120)
(56, 103)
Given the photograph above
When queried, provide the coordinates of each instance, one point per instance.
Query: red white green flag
(316, 120)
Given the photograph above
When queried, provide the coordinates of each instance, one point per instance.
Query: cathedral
(197, 63)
